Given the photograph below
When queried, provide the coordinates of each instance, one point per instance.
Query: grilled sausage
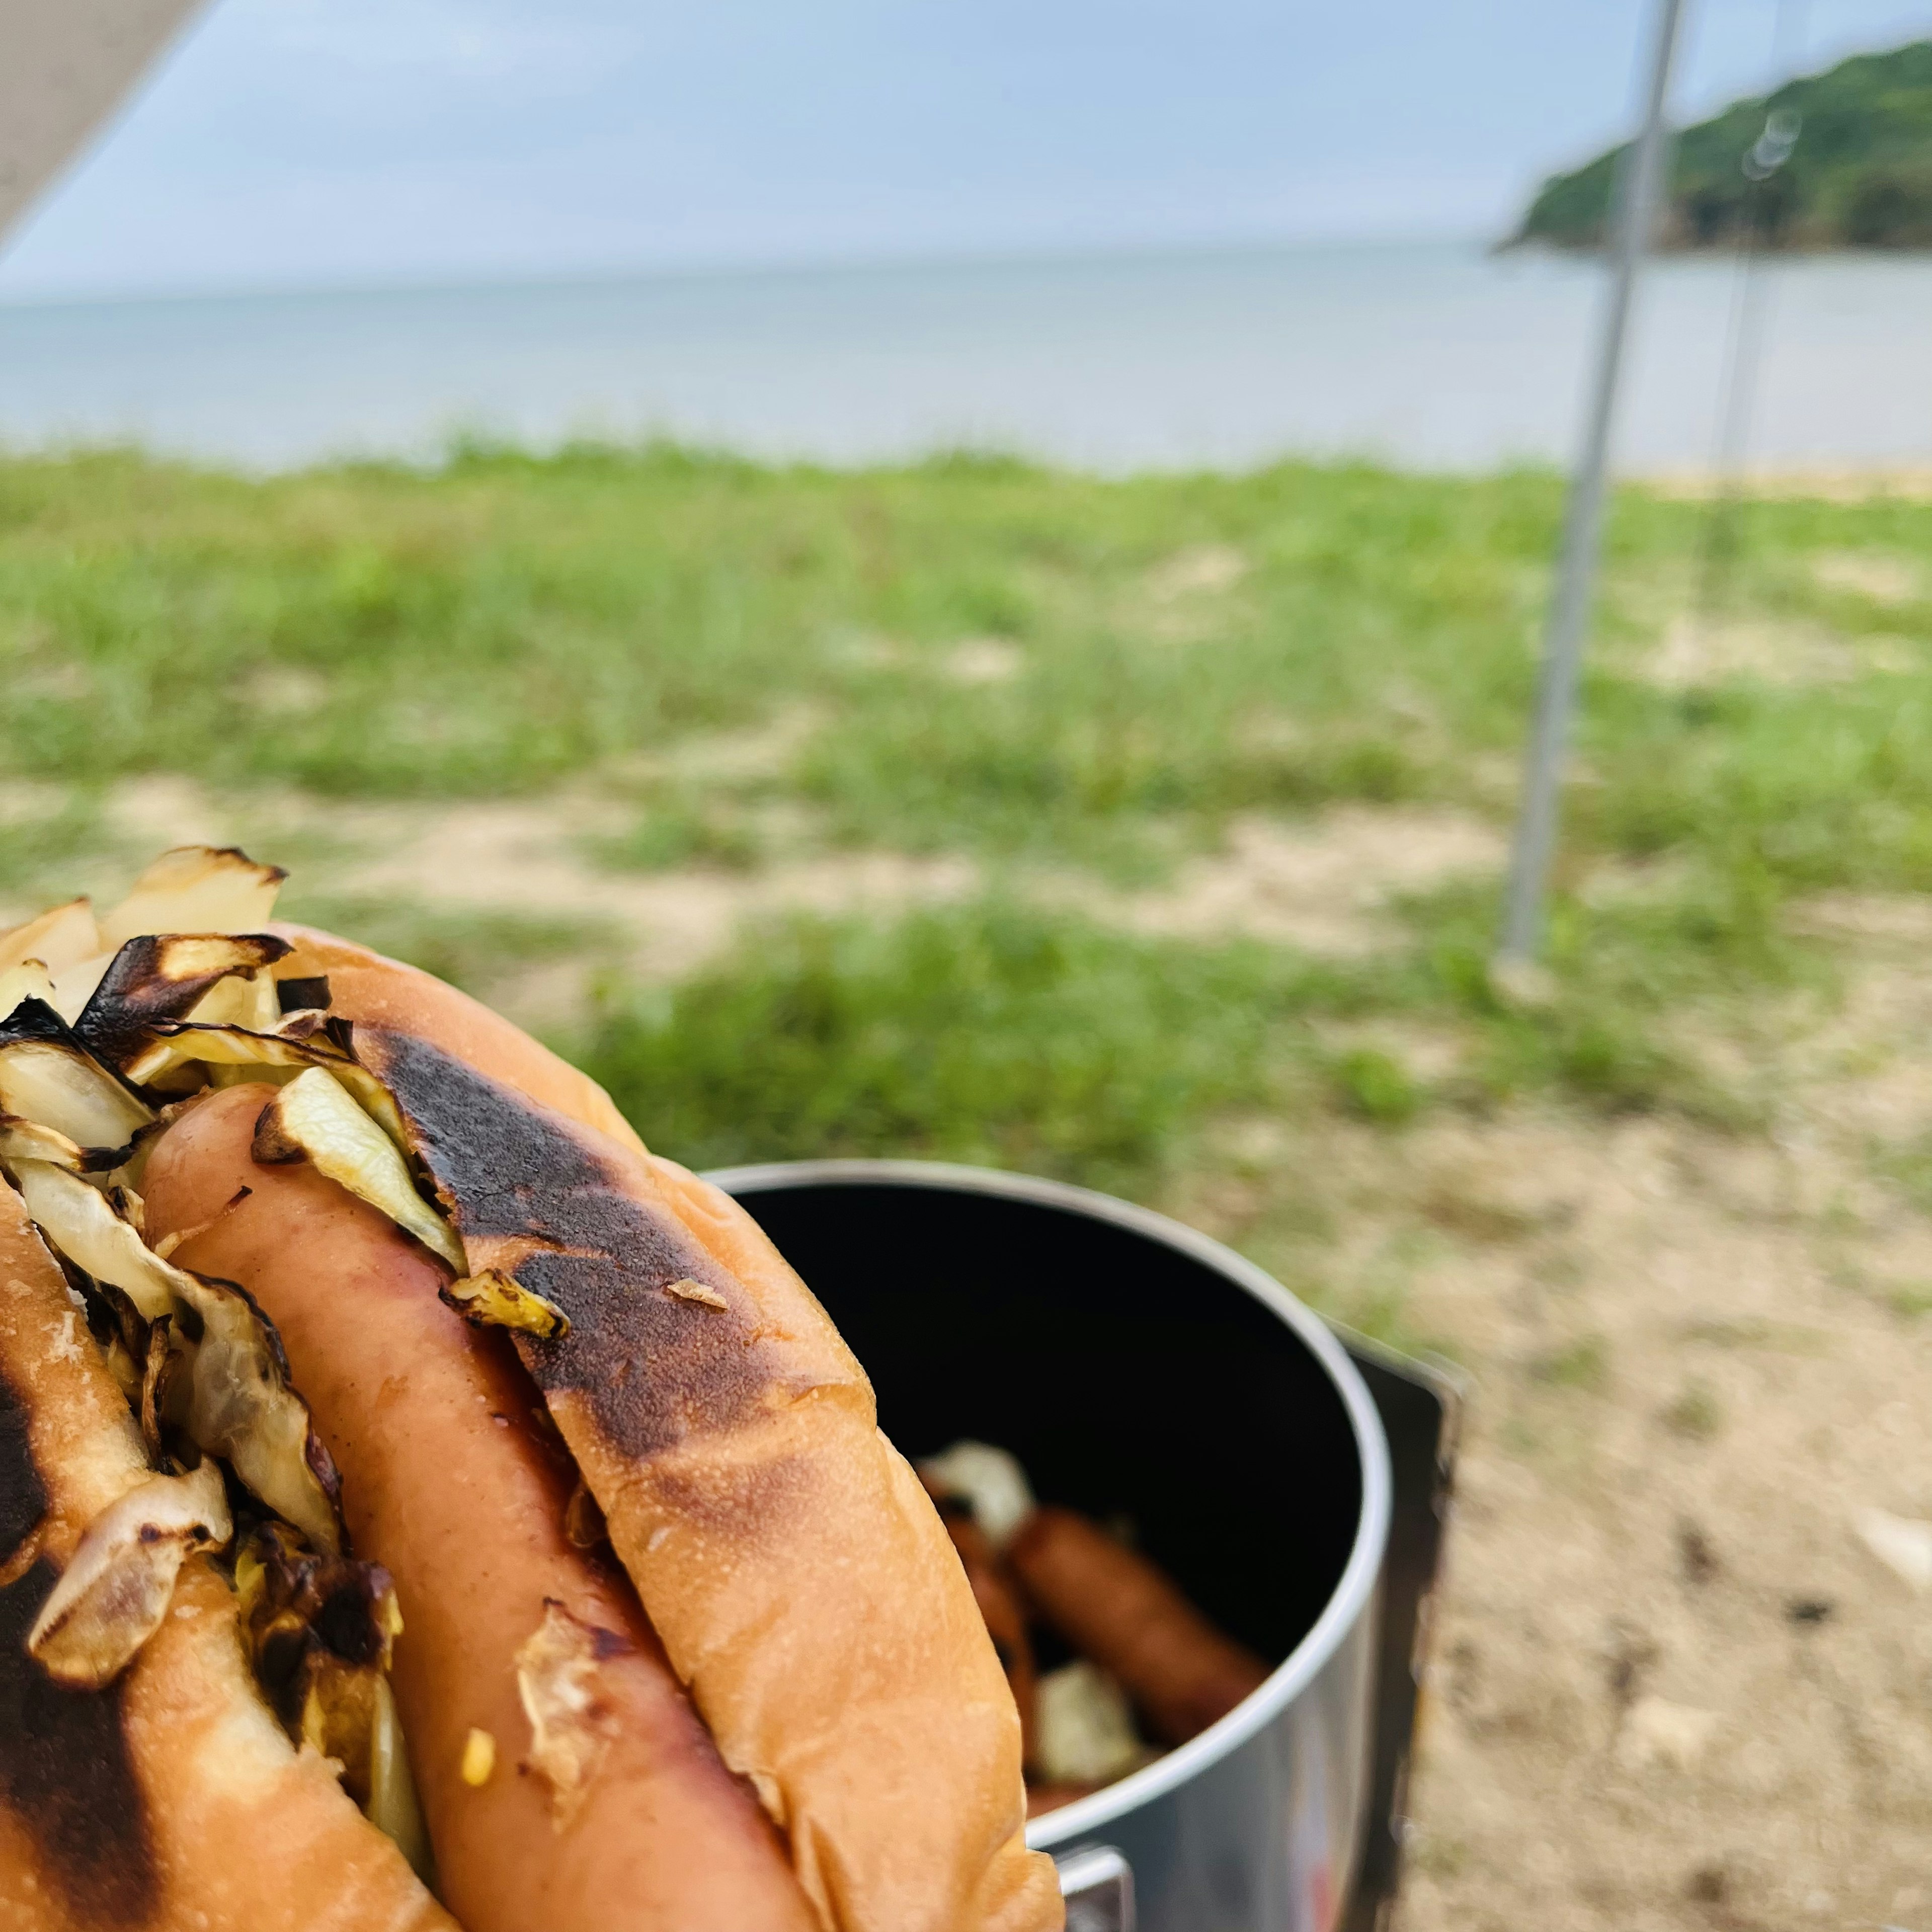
(567, 1781)
(1116, 1608)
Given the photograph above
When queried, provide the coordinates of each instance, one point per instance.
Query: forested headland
(1857, 173)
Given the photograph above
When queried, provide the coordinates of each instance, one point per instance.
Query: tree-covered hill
(1859, 176)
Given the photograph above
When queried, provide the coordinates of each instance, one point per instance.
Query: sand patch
(1425, 1053)
(65, 681)
(1822, 484)
(1902, 918)
(1679, 1666)
(1185, 598)
(521, 857)
(524, 856)
(757, 752)
(1864, 1074)
(865, 650)
(1324, 885)
(1883, 579)
(1695, 653)
(978, 661)
(164, 808)
(1633, 882)
(24, 800)
(1201, 570)
(284, 690)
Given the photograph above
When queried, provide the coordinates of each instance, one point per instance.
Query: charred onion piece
(232, 1397)
(320, 1630)
(48, 1076)
(583, 1524)
(307, 994)
(57, 939)
(702, 1292)
(157, 1374)
(1084, 1733)
(570, 1723)
(248, 1000)
(28, 1140)
(166, 978)
(195, 889)
(313, 1119)
(112, 1595)
(988, 1481)
(303, 1040)
(239, 1404)
(394, 1806)
(29, 980)
(81, 1223)
(495, 1299)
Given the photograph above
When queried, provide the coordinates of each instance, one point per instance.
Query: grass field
(1074, 684)
(1078, 687)
(1147, 833)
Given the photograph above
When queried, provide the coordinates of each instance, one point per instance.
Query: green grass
(1583, 1364)
(1694, 1412)
(988, 1033)
(1002, 1032)
(1172, 652)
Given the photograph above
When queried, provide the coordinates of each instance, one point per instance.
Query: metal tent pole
(1642, 182)
(1743, 341)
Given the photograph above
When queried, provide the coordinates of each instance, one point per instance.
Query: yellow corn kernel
(479, 1756)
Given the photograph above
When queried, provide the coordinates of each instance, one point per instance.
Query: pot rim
(1352, 1595)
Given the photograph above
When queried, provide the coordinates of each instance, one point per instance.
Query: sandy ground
(1323, 885)
(1683, 1671)
(1818, 482)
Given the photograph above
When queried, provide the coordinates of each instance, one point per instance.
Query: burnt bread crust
(799, 1577)
(172, 1799)
(23, 1496)
(67, 1777)
(365, 987)
(534, 1198)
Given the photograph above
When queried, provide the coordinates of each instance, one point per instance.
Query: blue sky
(312, 142)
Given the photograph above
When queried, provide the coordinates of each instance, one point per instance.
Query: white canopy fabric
(65, 65)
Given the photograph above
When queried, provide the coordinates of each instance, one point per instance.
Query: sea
(1439, 356)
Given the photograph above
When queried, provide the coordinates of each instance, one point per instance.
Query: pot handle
(1098, 1885)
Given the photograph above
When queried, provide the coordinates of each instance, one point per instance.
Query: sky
(296, 143)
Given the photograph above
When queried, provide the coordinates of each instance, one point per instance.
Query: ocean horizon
(1436, 356)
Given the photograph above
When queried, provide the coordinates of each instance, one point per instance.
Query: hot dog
(627, 1820)
(689, 1393)
(749, 1493)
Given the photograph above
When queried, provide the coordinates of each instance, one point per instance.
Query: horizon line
(464, 281)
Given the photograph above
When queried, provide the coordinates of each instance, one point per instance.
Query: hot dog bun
(172, 1799)
(800, 1578)
(630, 1823)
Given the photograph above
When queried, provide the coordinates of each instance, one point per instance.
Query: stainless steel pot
(1142, 1371)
